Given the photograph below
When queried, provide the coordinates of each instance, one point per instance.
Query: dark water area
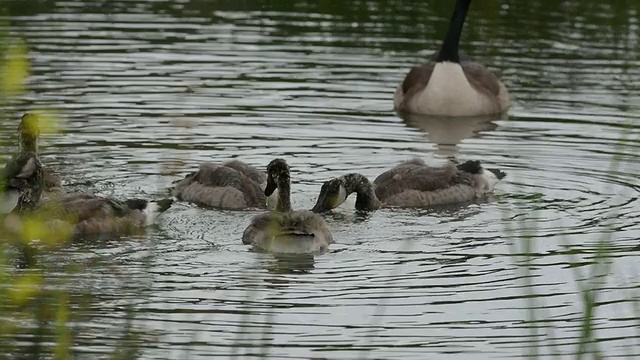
(147, 90)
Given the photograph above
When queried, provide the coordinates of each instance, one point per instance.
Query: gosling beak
(320, 206)
(271, 186)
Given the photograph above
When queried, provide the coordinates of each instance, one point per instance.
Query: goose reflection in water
(288, 264)
(446, 133)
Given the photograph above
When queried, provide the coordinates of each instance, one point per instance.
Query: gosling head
(335, 192)
(277, 173)
(332, 194)
(28, 132)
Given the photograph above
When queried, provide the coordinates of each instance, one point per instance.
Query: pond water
(149, 89)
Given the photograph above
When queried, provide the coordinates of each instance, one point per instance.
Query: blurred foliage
(29, 304)
(15, 69)
(591, 277)
(25, 305)
(36, 317)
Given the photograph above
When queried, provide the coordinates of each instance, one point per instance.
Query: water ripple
(150, 89)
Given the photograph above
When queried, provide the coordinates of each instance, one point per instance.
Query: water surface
(150, 89)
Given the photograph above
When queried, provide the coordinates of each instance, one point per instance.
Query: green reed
(38, 314)
(590, 282)
(30, 303)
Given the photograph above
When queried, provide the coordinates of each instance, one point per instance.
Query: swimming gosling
(232, 185)
(411, 184)
(52, 186)
(451, 84)
(22, 178)
(83, 215)
(283, 230)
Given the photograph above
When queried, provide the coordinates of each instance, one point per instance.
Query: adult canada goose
(451, 84)
(283, 230)
(22, 178)
(411, 184)
(232, 185)
(81, 215)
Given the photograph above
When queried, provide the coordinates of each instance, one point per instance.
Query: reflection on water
(291, 264)
(149, 89)
(447, 133)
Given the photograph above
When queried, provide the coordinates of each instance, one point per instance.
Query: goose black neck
(449, 49)
(284, 194)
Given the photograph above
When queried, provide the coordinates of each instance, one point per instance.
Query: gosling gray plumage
(52, 186)
(411, 184)
(83, 215)
(231, 185)
(22, 178)
(24, 183)
(24, 174)
(283, 230)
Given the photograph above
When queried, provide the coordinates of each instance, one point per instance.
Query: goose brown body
(52, 186)
(451, 84)
(411, 184)
(232, 185)
(84, 215)
(457, 90)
